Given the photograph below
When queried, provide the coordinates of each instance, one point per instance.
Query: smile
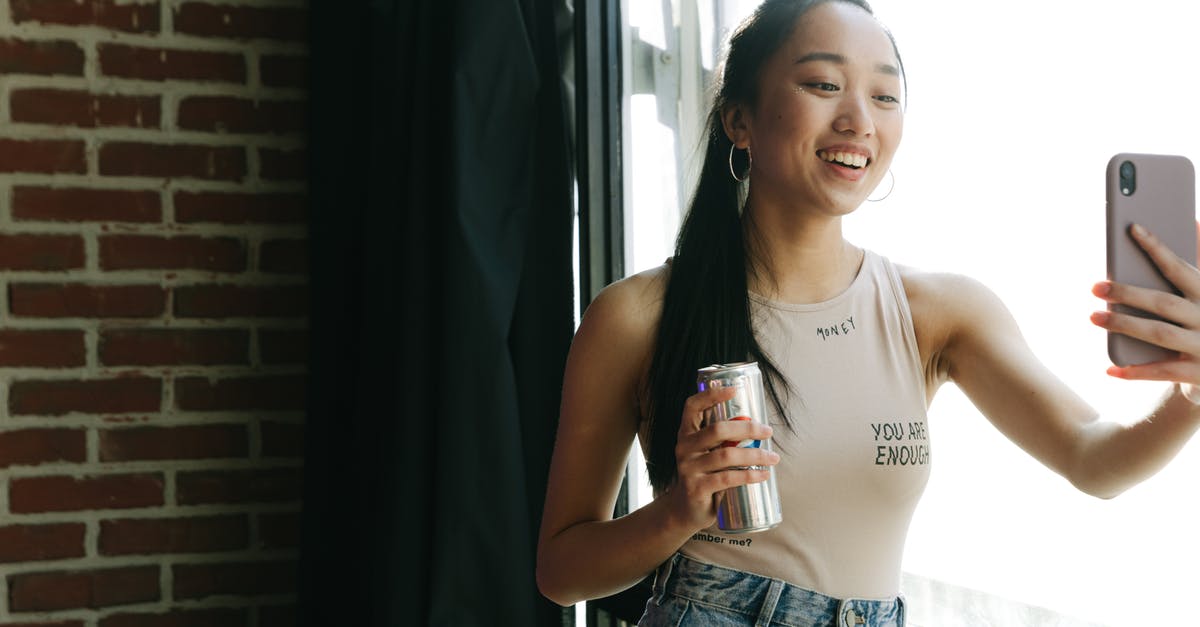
(848, 159)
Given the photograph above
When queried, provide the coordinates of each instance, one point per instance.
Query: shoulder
(950, 309)
(631, 304)
(618, 329)
(948, 298)
(933, 287)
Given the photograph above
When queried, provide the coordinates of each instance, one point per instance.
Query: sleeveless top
(856, 460)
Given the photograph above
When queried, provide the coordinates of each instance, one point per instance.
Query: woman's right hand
(705, 466)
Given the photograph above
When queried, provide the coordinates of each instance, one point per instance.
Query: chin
(845, 205)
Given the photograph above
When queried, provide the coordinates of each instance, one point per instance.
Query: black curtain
(441, 208)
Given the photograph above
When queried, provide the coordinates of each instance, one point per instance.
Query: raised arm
(984, 353)
(582, 552)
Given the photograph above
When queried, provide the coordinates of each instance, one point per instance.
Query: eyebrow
(832, 57)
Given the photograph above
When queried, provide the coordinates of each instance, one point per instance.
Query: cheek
(788, 131)
(889, 132)
(892, 130)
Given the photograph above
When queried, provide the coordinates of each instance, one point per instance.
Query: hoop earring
(749, 165)
(890, 188)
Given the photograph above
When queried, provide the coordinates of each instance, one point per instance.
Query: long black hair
(706, 315)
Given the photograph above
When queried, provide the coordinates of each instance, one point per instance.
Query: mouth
(852, 160)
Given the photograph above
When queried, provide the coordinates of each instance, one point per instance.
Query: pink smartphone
(1159, 193)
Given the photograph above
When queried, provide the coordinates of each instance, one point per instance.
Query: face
(828, 117)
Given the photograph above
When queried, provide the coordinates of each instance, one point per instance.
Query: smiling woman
(993, 522)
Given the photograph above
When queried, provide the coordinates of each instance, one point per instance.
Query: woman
(805, 123)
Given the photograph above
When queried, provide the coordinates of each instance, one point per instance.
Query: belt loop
(661, 575)
(774, 591)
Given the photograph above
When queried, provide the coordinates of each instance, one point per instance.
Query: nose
(854, 115)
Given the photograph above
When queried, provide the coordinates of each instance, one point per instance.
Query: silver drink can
(753, 507)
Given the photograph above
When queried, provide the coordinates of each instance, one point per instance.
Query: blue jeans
(688, 592)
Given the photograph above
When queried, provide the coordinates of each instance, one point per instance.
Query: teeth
(845, 158)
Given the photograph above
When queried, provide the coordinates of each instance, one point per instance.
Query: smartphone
(1159, 193)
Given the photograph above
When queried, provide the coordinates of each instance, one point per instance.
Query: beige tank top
(857, 461)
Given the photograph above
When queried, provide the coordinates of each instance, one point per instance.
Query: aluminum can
(753, 507)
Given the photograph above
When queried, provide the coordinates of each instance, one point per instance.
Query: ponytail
(706, 316)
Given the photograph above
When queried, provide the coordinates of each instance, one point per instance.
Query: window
(1013, 111)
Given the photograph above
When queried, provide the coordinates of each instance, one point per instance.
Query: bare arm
(582, 552)
(1167, 429)
(986, 355)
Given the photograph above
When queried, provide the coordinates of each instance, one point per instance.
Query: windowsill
(932, 603)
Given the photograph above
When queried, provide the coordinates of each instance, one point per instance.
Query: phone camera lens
(1128, 178)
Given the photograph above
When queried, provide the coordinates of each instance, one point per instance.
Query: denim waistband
(770, 600)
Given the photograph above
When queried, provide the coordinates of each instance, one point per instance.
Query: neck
(801, 258)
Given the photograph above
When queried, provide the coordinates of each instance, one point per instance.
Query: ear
(735, 119)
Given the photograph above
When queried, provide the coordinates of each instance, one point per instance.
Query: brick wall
(153, 307)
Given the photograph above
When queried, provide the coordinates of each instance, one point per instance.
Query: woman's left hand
(1183, 310)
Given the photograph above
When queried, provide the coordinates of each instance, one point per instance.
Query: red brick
(94, 396)
(283, 70)
(217, 617)
(186, 252)
(241, 22)
(27, 447)
(42, 156)
(99, 588)
(40, 252)
(283, 346)
(76, 204)
(31, 543)
(79, 300)
(264, 485)
(282, 439)
(277, 616)
(282, 165)
(61, 107)
(235, 208)
(268, 393)
(200, 534)
(173, 347)
(160, 64)
(230, 301)
(227, 114)
(284, 256)
(165, 443)
(42, 348)
(130, 18)
(226, 163)
(18, 56)
(66, 494)
(279, 531)
(197, 581)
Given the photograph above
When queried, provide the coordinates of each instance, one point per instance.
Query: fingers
(1182, 274)
(1165, 305)
(708, 447)
(717, 481)
(1178, 328)
(726, 432)
(732, 457)
(706, 466)
(1157, 332)
(1171, 370)
(695, 406)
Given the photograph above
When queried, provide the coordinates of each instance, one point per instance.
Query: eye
(888, 99)
(821, 86)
